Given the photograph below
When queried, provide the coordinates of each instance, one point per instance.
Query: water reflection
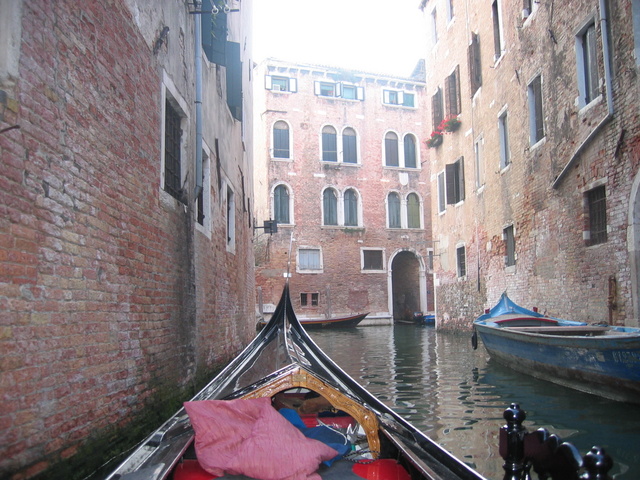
(457, 396)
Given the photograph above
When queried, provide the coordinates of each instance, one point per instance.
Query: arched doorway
(633, 247)
(408, 286)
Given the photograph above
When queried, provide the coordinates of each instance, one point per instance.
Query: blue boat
(599, 359)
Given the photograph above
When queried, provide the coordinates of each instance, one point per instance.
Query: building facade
(126, 227)
(535, 179)
(339, 166)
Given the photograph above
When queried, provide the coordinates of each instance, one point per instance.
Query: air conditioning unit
(277, 88)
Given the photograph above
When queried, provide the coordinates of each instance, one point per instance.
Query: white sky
(372, 35)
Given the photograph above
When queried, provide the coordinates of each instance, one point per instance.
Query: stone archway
(408, 292)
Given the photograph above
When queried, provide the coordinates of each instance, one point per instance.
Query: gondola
(283, 368)
(598, 359)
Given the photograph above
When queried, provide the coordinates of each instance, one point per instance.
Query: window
(410, 151)
(329, 144)
(172, 147)
(450, 10)
(413, 211)
(280, 84)
(281, 140)
(597, 212)
(397, 97)
(536, 126)
(497, 29)
(349, 92)
(461, 261)
(391, 149)
(203, 208)
(231, 219)
(309, 299)
(309, 259)
(528, 7)
(349, 146)
(393, 206)
(351, 208)
(452, 92)
(281, 204)
(475, 67)
(214, 33)
(588, 80)
(455, 181)
(510, 246)
(442, 203)
(330, 207)
(372, 259)
(327, 89)
(434, 30)
(346, 91)
(477, 152)
(503, 133)
(437, 108)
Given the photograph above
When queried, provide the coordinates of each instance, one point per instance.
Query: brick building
(126, 256)
(536, 188)
(339, 162)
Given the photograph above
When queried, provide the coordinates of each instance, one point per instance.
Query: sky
(372, 35)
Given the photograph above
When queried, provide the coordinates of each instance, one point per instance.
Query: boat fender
(474, 339)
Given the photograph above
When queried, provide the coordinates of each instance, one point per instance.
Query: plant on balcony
(435, 139)
(450, 124)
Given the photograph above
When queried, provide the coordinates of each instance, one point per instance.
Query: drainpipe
(198, 67)
(604, 30)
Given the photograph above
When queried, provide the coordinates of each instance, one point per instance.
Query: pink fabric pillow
(249, 437)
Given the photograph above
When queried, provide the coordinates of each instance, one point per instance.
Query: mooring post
(512, 442)
(597, 465)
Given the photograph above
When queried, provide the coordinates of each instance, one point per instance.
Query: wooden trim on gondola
(301, 378)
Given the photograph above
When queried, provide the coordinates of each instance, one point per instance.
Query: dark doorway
(405, 286)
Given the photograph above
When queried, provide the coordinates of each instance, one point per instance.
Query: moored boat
(282, 368)
(599, 359)
(349, 321)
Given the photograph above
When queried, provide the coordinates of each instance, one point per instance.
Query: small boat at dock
(237, 425)
(349, 321)
(598, 359)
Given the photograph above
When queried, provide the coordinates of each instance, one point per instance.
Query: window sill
(538, 144)
(281, 159)
(585, 108)
(510, 270)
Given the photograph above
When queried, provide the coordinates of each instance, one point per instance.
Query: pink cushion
(249, 437)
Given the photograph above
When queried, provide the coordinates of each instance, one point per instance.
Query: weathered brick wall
(104, 308)
(555, 269)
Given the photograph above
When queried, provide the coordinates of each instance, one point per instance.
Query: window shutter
(400, 98)
(458, 99)
(460, 164)
(316, 88)
(214, 33)
(293, 85)
(268, 84)
(338, 89)
(360, 93)
(450, 170)
(385, 96)
(234, 80)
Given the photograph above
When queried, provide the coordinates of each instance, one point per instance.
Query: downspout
(198, 67)
(604, 30)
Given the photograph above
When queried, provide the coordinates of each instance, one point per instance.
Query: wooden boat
(599, 359)
(282, 366)
(335, 322)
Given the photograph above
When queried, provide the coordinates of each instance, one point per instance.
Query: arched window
(413, 210)
(281, 140)
(410, 151)
(330, 207)
(349, 148)
(329, 144)
(350, 208)
(281, 204)
(393, 205)
(391, 149)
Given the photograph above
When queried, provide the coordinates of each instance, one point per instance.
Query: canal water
(457, 395)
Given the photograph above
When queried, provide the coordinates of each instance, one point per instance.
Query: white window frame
(503, 138)
(501, 39)
(170, 92)
(534, 115)
(206, 225)
(230, 216)
(291, 202)
(478, 147)
(299, 269)
(461, 275)
(371, 270)
(442, 192)
(272, 145)
(400, 97)
(581, 67)
(291, 87)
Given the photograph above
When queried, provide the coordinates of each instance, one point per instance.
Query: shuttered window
(391, 149)
(281, 204)
(350, 208)
(329, 144)
(393, 201)
(410, 151)
(413, 211)
(437, 108)
(455, 181)
(330, 207)
(172, 139)
(349, 148)
(281, 140)
(475, 66)
(452, 92)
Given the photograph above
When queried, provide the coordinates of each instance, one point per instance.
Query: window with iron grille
(309, 299)
(536, 125)
(461, 261)
(372, 259)
(172, 140)
(437, 108)
(475, 67)
(597, 211)
(588, 79)
(452, 92)
(281, 140)
(510, 246)
(329, 144)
